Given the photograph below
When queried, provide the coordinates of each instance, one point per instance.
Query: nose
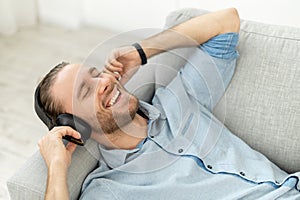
(105, 83)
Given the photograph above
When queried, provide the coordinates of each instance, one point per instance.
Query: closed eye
(86, 92)
(85, 89)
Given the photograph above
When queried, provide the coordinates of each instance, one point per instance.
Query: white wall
(122, 15)
(67, 13)
(15, 14)
(282, 12)
(119, 15)
(127, 15)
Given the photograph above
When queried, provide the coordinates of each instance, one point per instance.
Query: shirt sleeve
(210, 68)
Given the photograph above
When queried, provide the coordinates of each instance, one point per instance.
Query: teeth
(114, 98)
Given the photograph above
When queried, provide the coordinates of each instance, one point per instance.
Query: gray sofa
(262, 103)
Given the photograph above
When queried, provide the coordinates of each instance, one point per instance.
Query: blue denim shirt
(189, 154)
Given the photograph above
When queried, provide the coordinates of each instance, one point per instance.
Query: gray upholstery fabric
(262, 103)
(29, 182)
(263, 99)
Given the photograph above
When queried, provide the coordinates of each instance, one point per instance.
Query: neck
(127, 137)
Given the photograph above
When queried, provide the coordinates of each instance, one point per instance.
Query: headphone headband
(40, 110)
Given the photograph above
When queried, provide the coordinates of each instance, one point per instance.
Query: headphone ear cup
(63, 120)
(76, 123)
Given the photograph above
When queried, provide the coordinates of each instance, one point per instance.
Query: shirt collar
(152, 112)
(115, 157)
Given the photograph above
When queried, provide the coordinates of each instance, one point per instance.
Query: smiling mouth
(114, 99)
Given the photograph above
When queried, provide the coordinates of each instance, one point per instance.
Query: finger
(114, 74)
(113, 68)
(71, 147)
(113, 59)
(116, 63)
(66, 130)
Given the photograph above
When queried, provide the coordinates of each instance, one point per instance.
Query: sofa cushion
(263, 100)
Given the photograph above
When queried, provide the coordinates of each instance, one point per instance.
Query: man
(173, 148)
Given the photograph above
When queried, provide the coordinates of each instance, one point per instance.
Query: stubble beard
(113, 120)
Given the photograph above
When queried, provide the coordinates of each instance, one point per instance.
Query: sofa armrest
(29, 182)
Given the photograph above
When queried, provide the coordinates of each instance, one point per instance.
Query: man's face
(96, 97)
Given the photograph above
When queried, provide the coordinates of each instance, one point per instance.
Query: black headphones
(64, 119)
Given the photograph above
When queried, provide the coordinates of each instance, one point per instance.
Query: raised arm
(193, 32)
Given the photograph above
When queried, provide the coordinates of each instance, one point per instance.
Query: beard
(114, 119)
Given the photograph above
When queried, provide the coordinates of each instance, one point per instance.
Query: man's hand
(52, 148)
(123, 63)
(58, 158)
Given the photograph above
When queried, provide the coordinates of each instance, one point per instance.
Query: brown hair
(51, 106)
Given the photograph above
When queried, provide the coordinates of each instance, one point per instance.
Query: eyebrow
(90, 71)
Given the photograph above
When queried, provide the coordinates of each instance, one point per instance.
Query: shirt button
(180, 150)
(242, 173)
(151, 136)
(209, 166)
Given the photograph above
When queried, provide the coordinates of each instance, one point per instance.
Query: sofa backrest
(262, 102)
